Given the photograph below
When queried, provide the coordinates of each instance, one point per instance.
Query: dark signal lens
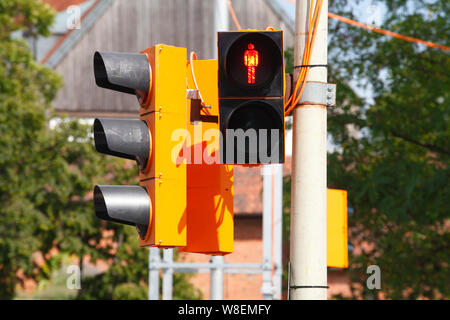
(255, 115)
(252, 60)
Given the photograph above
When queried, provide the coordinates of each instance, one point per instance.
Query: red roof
(61, 5)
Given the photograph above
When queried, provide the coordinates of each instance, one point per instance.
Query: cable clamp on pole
(311, 66)
(319, 93)
(309, 287)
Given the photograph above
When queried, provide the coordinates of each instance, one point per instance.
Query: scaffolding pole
(216, 282)
(167, 283)
(278, 229)
(154, 259)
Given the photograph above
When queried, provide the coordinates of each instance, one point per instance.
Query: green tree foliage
(26, 89)
(393, 150)
(47, 173)
(397, 169)
(127, 278)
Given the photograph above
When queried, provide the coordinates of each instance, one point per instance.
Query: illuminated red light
(251, 61)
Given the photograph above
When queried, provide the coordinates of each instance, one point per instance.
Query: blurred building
(130, 26)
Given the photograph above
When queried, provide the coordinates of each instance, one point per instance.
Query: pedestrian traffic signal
(158, 206)
(251, 96)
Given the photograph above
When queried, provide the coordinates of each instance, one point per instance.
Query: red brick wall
(248, 242)
(247, 249)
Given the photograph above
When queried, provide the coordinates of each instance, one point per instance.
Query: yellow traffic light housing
(158, 206)
(164, 111)
(209, 183)
(337, 242)
(179, 202)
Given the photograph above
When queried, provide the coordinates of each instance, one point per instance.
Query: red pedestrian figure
(251, 60)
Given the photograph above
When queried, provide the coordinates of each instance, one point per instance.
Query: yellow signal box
(209, 183)
(337, 243)
(164, 111)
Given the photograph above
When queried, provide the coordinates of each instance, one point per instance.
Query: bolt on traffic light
(157, 76)
(251, 96)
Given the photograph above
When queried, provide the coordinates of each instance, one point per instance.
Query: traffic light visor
(128, 205)
(125, 138)
(123, 72)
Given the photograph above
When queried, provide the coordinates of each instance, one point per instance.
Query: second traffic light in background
(251, 96)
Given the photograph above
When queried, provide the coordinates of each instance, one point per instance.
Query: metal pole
(267, 289)
(216, 278)
(278, 229)
(153, 274)
(167, 282)
(221, 22)
(308, 254)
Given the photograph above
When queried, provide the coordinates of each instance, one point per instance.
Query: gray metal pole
(153, 274)
(221, 23)
(267, 289)
(216, 278)
(167, 282)
(278, 229)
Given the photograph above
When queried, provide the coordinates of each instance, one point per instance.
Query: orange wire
(192, 57)
(233, 15)
(307, 54)
(308, 59)
(294, 98)
(383, 31)
(387, 33)
(305, 61)
(313, 23)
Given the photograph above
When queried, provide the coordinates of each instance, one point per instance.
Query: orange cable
(313, 23)
(387, 33)
(306, 55)
(294, 98)
(233, 15)
(192, 57)
(305, 61)
(383, 31)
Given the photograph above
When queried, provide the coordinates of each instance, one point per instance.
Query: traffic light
(251, 96)
(157, 207)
